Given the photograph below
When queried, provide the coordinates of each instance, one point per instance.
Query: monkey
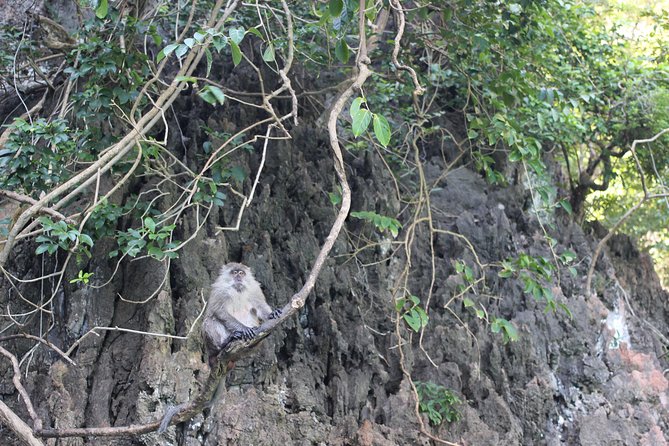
(236, 308)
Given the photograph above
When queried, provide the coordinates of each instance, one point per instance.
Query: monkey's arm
(236, 329)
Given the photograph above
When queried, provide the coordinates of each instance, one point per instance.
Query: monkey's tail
(167, 418)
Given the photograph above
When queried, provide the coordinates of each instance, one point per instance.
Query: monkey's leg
(275, 314)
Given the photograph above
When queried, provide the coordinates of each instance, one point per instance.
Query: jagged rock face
(332, 375)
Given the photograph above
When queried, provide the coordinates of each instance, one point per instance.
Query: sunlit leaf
(237, 35)
(268, 54)
(382, 130)
(102, 10)
(236, 53)
(336, 7)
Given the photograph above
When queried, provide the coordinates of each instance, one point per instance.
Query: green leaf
(515, 155)
(268, 54)
(150, 224)
(155, 252)
(237, 35)
(382, 130)
(86, 239)
(355, 106)
(236, 53)
(189, 79)
(423, 316)
(190, 42)
(41, 249)
(394, 230)
(566, 206)
(335, 198)
(568, 256)
(370, 10)
(341, 51)
(212, 94)
(169, 49)
(336, 7)
(237, 173)
(505, 273)
(181, 50)
(566, 309)
(210, 60)
(102, 10)
(255, 32)
(361, 121)
(413, 319)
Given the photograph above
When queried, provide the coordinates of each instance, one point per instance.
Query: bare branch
(26, 199)
(37, 423)
(646, 197)
(18, 426)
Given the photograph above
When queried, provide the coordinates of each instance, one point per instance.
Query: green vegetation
(412, 313)
(141, 134)
(438, 402)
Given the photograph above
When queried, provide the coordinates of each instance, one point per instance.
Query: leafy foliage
(438, 402)
(381, 222)
(157, 240)
(412, 313)
(536, 274)
(37, 156)
(61, 235)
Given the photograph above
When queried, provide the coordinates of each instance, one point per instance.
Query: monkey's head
(238, 275)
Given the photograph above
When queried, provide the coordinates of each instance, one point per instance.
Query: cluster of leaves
(536, 275)
(157, 240)
(361, 117)
(533, 77)
(438, 402)
(108, 78)
(381, 222)
(37, 156)
(61, 235)
(413, 314)
(12, 40)
(497, 324)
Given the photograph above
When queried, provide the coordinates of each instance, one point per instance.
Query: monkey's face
(237, 273)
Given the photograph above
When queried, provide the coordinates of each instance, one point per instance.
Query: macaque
(236, 307)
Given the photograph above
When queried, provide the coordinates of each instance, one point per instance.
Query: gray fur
(236, 304)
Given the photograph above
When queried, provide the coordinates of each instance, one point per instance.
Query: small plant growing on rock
(439, 402)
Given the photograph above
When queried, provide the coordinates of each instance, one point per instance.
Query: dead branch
(41, 340)
(18, 426)
(646, 197)
(37, 423)
(29, 200)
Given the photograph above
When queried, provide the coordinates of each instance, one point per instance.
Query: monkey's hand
(245, 334)
(275, 314)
